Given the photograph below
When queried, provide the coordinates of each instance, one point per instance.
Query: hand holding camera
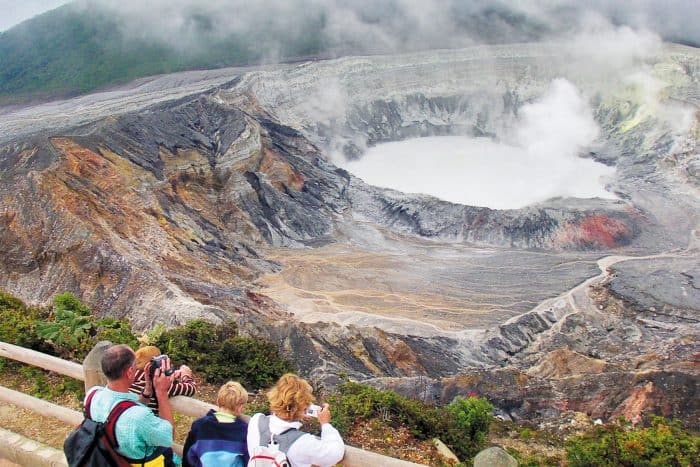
(160, 362)
(160, 375)
(322, 413)
(313, 410)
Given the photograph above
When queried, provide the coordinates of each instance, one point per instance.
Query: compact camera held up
(313, 410)
(156, 362)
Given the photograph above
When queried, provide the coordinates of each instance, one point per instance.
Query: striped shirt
(184, 386)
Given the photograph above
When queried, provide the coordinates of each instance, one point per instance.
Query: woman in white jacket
(289, 399)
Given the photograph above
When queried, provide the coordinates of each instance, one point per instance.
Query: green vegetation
(69, 51)
(663, 443)
(45, 389)
(219, 353)
(472, 417)
(117, 331)
(70, 326)
(534, 460)
(462, 425)
(70, 329)
(73, 329)
(18, 323)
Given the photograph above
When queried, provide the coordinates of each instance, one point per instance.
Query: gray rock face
(666, 289)
(217, 199)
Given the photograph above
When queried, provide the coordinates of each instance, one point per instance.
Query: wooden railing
(91, 374)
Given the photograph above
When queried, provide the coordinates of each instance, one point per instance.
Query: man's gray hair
(116, 360)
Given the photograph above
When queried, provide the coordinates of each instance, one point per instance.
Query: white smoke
(538, 157)
(601, 44)
(558, 125)
(364, 26)
(539, 161)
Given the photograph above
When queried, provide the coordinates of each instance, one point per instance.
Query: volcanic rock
(216, 197)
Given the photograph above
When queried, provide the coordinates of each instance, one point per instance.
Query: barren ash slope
(219, 196)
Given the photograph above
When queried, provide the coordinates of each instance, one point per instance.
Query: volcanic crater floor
(418, 287)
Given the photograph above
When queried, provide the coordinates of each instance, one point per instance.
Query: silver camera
(313, 410)
(155, 363)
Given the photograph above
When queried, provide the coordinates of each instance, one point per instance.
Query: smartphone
(313, 410)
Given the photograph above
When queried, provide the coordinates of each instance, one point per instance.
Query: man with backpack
(132, 433)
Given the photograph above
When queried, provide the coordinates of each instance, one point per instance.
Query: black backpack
(93, 443)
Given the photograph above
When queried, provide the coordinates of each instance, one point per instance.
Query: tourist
(289, 400)
(219, 438)
(183, 382)
(140, 434)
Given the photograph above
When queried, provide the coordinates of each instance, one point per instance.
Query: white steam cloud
(613, 47)
(367, 26)
(540, 160)
(537, 159)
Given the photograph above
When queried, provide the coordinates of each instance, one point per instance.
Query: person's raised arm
(183, 383)
(146, 393)
(329, 450)
(161, 384)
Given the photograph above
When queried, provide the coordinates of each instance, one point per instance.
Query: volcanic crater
(220, 195)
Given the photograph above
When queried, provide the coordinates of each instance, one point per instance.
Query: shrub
(152, 336)
(219, 353)
(117, 331)
(473, 417)
(535, 460)
(258, 363)
(462, 425)
(195, 343)
(664, 443)
(260, 405)
(18, 323)
(74, 330)
(66, 301)
(71, 327)
(9, 302)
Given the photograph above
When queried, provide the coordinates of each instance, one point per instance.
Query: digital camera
(313, 410)
(156, 362)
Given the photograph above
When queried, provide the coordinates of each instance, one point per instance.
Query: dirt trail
(45, 430)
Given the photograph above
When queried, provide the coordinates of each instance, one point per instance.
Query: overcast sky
(16, 11)
(385, 24)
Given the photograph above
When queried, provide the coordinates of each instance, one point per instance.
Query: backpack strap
(111, 421)
(264, 430)
(108, 437)
(88, 401)
(284, 439)
(287, 438)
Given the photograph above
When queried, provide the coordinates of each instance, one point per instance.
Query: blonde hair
(231, 395)
(290, 397)
(145, 354)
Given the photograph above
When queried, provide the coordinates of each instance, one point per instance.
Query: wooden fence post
(92, 365)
